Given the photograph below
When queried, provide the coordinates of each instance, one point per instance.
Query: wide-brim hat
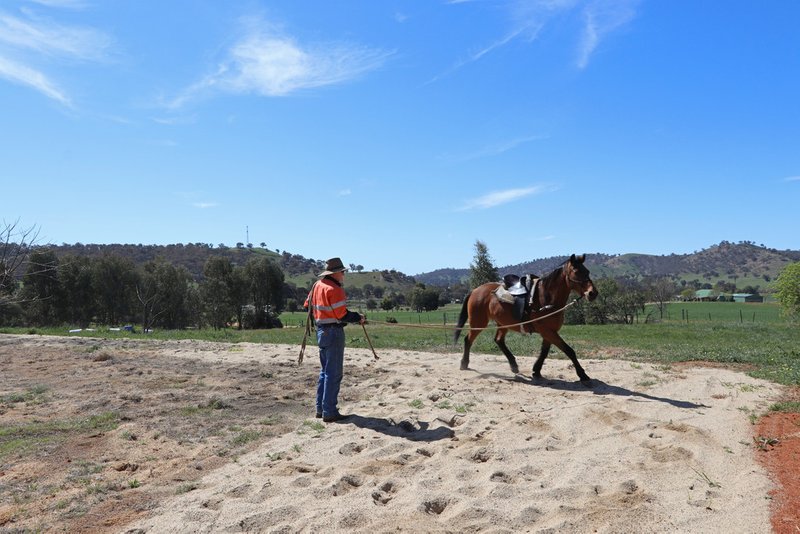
(333, 265)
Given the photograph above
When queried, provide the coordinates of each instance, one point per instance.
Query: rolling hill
(744, 264)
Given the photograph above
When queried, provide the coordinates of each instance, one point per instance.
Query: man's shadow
(598, 387)
(420, 431)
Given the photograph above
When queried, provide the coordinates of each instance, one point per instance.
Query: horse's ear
(581, 258)
(572, 259)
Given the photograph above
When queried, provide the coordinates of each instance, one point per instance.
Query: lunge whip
(369, 341)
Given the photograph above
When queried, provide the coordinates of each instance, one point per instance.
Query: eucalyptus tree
(41, 290)
(239, 291)
(265, 281)
(218, 302)
(114, 282)
(78, 304)
(165, 295)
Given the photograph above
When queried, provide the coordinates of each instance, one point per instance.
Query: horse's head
(578, 277)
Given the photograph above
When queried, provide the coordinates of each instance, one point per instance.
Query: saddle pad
(503, 295)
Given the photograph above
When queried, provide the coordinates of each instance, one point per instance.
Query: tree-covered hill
(298, 270)
(744, 264)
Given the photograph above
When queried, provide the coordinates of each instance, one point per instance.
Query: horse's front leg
(500, 340)
(537, 366)
(555, 339)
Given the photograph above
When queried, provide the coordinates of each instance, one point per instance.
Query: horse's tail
(462, 318)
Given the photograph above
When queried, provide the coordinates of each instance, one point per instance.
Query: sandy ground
(222, 438)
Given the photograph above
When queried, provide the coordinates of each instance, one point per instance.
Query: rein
(437, 327)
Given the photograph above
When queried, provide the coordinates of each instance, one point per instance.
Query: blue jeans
(331, 359)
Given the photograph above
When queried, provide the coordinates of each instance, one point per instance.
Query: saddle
(520, 292)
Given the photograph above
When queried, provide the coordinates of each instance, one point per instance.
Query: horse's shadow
(598, 387)
(403, 429)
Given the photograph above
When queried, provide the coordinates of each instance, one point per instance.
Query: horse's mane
(554, 274)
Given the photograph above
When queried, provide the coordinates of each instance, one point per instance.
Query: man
(328, 304)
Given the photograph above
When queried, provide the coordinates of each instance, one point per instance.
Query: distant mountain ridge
(743, 263)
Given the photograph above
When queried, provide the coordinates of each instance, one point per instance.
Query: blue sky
(396, 133)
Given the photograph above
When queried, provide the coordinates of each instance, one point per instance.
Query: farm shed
(747, 297)
(705, 294)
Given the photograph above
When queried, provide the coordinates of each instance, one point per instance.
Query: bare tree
(662, 290)
(15, 245)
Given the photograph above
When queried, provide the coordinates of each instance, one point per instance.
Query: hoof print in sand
(385, 493)
(345, 484)
(350, 449)
(434, 506)
(481, 455)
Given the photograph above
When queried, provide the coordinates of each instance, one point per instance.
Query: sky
(395, 134)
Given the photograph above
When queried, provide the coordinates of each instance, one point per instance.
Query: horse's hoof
(464, 366)
(515, 369)
(587, 382)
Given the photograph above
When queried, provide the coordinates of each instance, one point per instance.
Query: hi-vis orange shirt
(329, 303)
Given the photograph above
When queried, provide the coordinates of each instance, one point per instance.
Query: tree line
(112, 290)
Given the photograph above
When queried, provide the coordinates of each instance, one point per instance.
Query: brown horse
(481, 306)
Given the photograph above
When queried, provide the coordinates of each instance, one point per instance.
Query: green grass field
(754, 336)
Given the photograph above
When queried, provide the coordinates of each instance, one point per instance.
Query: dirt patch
(95, 433)
(118, 435)
(778, 440)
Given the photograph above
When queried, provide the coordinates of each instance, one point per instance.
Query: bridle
(579, 282)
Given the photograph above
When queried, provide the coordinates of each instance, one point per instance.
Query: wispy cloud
(601, 17)
(29, 43)
(20, 74)
(527, 18)
(792, 179)
(266, 62)
(476, 55)
(205, 205)
(172, 121)
(498, 198)
(495, 149)
(345, 192)
(52, 39)
(68, 4)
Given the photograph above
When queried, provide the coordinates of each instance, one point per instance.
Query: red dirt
(782, 459)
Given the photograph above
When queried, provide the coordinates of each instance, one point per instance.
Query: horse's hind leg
(500, 339)
(465, 357)
(468, 340)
